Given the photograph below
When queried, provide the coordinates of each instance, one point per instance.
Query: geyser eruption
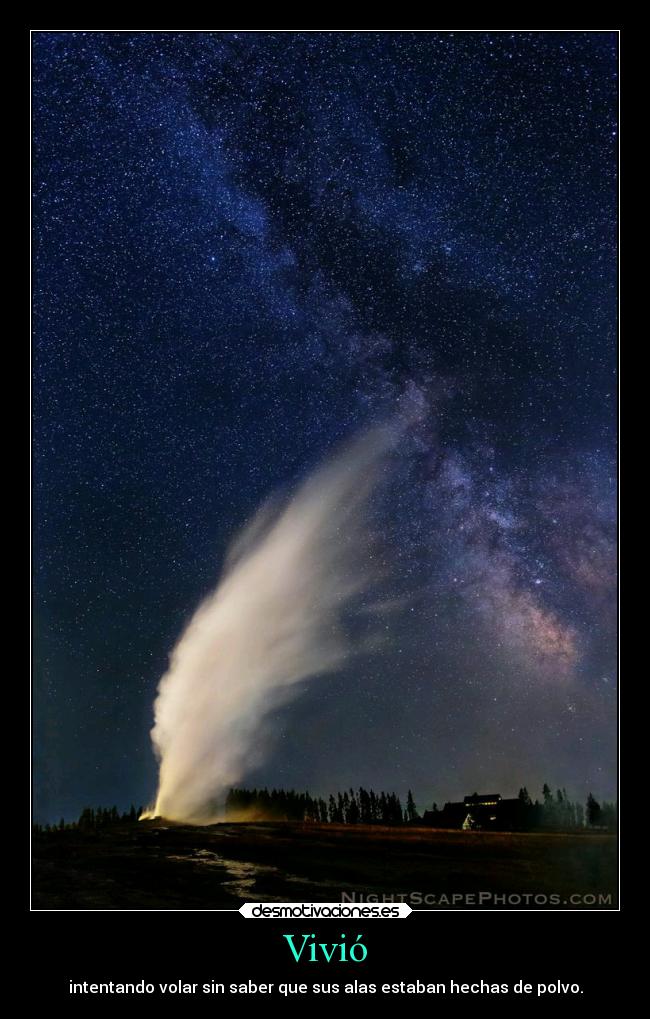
(275, 618)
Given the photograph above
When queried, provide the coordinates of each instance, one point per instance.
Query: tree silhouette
(593, 810)
(411, 812)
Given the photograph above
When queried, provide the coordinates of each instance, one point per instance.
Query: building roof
(483, 798)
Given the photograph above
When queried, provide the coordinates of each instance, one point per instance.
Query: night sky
(248, 247)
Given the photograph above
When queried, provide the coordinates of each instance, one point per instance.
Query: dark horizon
(421, 805)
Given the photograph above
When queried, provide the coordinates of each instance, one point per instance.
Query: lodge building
(487, 811)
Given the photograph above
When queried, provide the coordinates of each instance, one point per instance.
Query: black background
(440, 947)
(57, 947)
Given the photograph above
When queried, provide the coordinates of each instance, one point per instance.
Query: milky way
(248, 247)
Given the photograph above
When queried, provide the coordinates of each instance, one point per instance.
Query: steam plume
(274, 619)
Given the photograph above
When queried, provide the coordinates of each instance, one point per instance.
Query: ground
(159, 865)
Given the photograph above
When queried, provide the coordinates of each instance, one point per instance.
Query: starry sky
(249, 246)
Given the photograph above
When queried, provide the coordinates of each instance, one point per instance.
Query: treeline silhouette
(93, 819)
(364, 806)
(553, 811)
(361, 806)
(558, 811)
